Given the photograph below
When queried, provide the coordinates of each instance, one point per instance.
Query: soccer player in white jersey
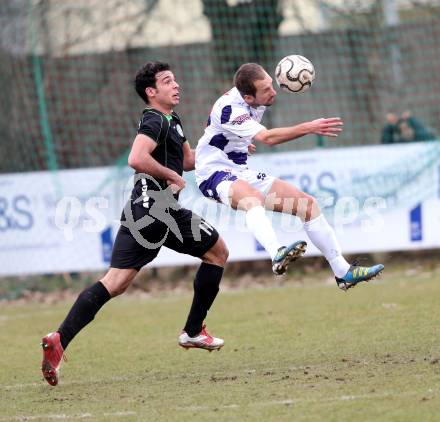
(222, 174)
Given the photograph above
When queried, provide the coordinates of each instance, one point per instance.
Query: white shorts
(218, 185)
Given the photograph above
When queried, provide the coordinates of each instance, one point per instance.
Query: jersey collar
(169, 117)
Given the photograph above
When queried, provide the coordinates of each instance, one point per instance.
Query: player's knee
(218, 254)
(120, 288)
(114, 288)
(116, 284)
(223, 254)
(253, 199)
(245, 197)
(313, 209)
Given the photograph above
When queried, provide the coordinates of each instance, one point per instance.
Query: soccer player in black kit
(152, 218)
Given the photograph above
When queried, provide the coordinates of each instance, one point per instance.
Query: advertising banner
(377, 198)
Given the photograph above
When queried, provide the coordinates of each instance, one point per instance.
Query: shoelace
(205, 333)
(357, 261)
(282, 250)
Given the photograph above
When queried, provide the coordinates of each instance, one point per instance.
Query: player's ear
(249, 99)
(150, 91)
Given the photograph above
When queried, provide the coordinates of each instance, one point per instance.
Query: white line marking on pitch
(67, 383)
(309, 400)
(18, 386)
(66, 417)
(24, 315)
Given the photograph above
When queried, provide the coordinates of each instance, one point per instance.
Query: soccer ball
(295, 73)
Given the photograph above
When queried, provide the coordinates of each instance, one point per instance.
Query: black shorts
(181, 230)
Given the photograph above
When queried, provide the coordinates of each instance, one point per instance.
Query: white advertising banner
(378, 198)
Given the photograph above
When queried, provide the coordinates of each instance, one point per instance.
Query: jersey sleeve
(151, 125)
(238, 121)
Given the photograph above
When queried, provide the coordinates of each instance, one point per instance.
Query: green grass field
(308, 352)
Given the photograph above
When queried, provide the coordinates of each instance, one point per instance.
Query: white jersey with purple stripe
(231, 126)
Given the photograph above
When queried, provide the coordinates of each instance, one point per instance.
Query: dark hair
(146, 77)
(245, 77)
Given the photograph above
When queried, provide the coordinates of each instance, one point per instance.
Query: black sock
(88, 303)
(206, 287)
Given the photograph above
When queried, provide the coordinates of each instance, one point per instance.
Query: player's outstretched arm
(325, 127)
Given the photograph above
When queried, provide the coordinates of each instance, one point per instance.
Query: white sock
(261, 227)
(323, 237)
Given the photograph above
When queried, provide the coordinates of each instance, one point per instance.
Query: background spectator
(404, 129)
(420, 132)
(390, 130)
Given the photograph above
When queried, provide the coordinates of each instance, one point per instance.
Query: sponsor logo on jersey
(241, 119)
(179, 130)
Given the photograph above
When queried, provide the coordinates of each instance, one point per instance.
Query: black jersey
(166, 131)
(152, 219)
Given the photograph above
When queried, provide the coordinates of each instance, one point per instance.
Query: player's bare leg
(117, 280)
(244, 197)
(286, 198)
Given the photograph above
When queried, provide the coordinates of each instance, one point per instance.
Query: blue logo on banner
(415, 218)
(107, 244)
(258, 246)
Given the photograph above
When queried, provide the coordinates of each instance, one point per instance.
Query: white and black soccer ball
(295, 73)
